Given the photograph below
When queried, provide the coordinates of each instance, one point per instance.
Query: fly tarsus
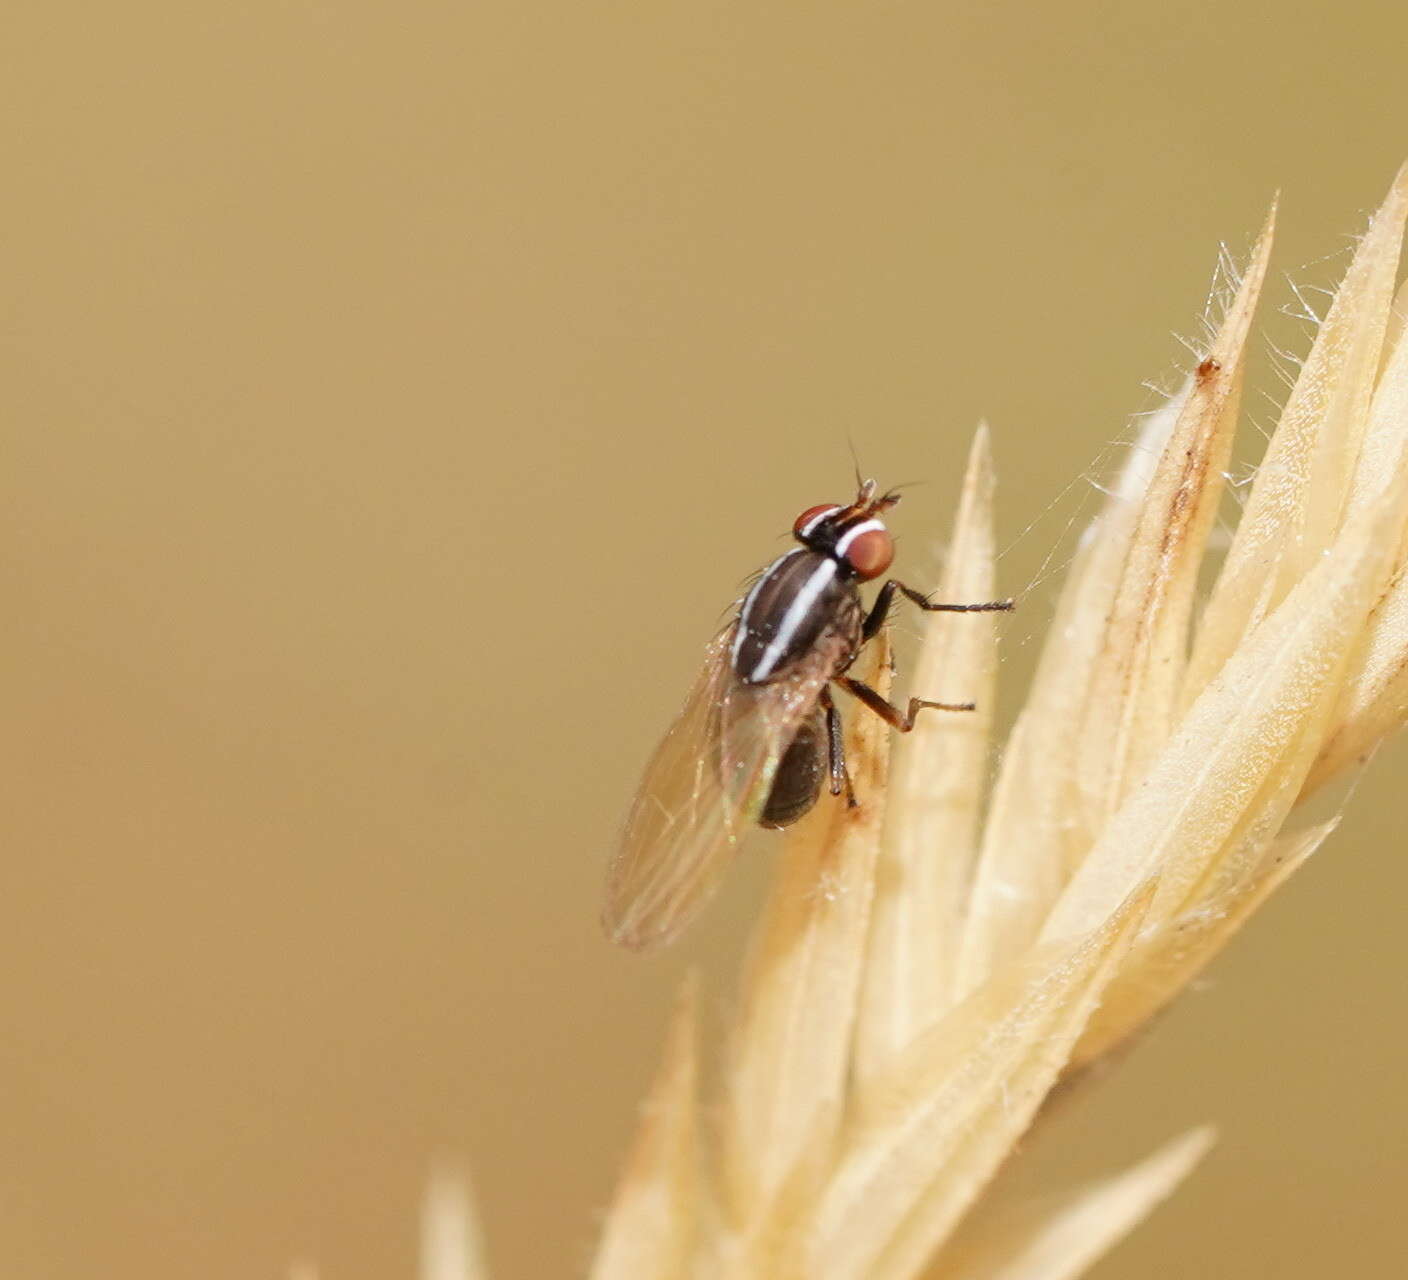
(880, 610)
(891, 714)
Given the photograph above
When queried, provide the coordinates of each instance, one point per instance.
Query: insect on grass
(761, 732)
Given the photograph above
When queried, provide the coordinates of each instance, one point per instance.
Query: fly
(760, 731)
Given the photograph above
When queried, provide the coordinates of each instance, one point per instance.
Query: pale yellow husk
(653, 1224)
(931, 965)
(451, 1243)
(1058, 1236)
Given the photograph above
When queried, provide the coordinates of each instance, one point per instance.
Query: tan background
(393, 395)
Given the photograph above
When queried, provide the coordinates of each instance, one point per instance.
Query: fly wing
(703, 789)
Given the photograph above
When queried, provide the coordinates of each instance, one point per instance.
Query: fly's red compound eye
(811, 517)
(870, 552)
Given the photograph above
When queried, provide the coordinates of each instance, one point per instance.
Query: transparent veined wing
(703, 789)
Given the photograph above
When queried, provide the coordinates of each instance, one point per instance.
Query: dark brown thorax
(799, 598)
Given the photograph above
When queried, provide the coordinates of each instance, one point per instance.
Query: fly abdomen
(797, 782)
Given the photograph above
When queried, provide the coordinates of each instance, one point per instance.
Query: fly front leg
(836, 751)
(891, 714)
(880, 610)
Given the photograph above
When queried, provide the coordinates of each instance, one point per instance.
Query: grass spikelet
(1299, 491)
(912, 967)
(451, 1245)
(931, 965)
(1059, 1236)
(653, 1224)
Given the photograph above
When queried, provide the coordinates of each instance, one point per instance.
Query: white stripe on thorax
(792, 619)
(746, 608)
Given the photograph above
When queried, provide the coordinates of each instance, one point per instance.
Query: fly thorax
(799, 598)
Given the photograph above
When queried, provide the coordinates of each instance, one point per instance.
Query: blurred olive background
(393, 396)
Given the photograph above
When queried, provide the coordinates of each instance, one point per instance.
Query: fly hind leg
(891, 714)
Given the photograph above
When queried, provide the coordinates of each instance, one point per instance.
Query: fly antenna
(855, 459)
